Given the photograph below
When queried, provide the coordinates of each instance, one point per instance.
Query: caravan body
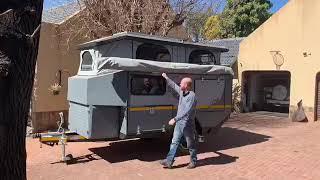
(119, 92)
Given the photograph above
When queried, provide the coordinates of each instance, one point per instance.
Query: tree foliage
(238, 19)
(241, 17)
(197, 19)
(196, 22)
(212, 29)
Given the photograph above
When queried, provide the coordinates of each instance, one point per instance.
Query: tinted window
(153, 52)
(86, 62)
(202, 57)
(148, 85)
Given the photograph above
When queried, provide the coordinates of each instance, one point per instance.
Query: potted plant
(55, 89)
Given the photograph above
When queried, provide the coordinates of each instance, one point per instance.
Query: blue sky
(277, 4)
(53, 3)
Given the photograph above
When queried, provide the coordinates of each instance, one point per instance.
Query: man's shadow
(221, 159)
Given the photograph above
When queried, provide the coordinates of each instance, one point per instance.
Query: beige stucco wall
(293, 30)
(54, 54)
(47, 64)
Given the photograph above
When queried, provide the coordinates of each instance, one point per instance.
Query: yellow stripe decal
(211, 107)
(49, 139)
(57, 138)
(153, 107)
(174, 107)
(228, 106)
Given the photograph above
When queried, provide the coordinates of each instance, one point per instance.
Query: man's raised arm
(172, 84)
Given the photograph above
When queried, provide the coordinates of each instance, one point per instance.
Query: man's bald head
(186, 84)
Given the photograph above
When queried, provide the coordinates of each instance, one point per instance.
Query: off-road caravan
(119, 91)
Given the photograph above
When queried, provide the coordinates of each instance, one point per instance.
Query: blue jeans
(189, 135)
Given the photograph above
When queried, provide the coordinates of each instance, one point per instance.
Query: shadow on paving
(156, 149)
(221, 159)
(260, 119)
(79, 159)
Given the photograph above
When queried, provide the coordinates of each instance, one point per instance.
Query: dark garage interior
(266, 91)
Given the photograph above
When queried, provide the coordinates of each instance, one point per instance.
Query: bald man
(184, 122)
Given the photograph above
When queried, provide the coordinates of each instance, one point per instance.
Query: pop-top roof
(141, 36)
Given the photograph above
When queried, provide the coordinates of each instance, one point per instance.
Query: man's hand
(172, 121)
(164, 75)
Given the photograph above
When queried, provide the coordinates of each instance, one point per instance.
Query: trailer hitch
(60, 137)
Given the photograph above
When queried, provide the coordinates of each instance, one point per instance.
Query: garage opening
(266, 91)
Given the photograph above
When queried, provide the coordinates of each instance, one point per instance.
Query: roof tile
(59, 14)
(228, 58)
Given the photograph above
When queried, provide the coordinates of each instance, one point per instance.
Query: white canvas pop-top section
(137, 65)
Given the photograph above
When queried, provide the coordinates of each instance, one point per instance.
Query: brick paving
(249, 146)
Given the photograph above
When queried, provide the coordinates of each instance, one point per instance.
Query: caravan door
(210, 101)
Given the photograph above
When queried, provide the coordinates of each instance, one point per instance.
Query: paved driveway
(249, 146)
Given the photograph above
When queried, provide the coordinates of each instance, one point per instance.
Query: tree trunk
(19, 39)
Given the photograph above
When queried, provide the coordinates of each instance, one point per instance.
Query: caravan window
(87, 61)
(202, 57)
(148, 85)
(154, 52)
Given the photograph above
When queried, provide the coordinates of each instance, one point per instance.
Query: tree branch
(6, 12)
(36, 31)
(105, 17)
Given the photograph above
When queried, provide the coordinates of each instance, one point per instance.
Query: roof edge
(136, 35)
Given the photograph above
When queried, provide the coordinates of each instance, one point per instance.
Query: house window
(203, 57)
(87, 61)
(153, 52)
(148, 85)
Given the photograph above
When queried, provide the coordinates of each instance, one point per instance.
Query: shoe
(191, 165)
(165, 164)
